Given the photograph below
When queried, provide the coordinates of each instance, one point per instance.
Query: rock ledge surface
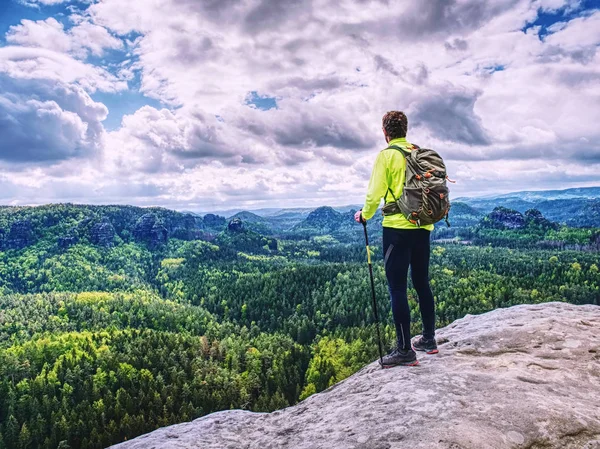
(522, 377)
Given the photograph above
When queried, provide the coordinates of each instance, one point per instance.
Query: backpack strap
(405, 153)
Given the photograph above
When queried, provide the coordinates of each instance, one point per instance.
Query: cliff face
(503, 218)
(523, 377)
(19, 236)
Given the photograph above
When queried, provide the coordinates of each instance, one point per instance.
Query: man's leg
(397, 255)
(419, 270)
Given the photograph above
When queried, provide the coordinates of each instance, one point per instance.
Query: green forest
(117, 320)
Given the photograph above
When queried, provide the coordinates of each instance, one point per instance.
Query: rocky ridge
(503, 218)
(19, 236)
(103, 226)
(522, 377)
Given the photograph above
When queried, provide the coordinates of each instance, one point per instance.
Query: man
(404, 244)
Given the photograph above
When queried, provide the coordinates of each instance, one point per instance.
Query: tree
(25, 439)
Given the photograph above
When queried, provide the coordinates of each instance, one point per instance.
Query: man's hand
(358, 217)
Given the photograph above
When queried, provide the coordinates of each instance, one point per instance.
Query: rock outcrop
(235, 225)
(534, 217)
(503, 218)
(184, 227)
(150, 230)
(523, 377)
(102, 233)
(20, 235)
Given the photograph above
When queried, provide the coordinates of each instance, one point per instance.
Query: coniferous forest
(117, 320)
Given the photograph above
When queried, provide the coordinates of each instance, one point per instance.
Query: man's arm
(377, 187)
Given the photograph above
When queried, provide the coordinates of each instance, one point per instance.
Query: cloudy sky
(214, 104)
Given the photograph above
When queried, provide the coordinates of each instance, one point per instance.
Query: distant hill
(340, 225)
(247, 216)
(68, 224)
(323, 220)
(463, 215)
(578, 207)
(540, 195)
(254, 222)
(577, 213)
(532, 196)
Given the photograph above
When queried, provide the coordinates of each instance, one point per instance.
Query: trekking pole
(374, 301)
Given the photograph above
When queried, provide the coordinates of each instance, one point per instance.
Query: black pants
(403, 248)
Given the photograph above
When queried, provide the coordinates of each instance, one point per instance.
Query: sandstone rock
(20, 235)
(160, 234)
(236, 225)
(523, 377)
(185, 228)
(102, 233)
(273, 245)
(535, 217)
(503, 218)
(143, 227)
(148, 229)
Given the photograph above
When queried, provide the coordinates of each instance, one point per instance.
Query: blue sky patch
(545, 19)
(122, 103)
(12, 12)
(494, 68)
(262, 102)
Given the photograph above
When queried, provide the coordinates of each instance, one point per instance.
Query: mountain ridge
(530, 195)
(524, 195)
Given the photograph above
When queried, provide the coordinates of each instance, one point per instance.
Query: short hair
(395, 124)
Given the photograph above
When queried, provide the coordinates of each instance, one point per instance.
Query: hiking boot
(400, 357)
(427, 346)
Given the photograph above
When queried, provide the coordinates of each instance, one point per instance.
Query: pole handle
(364, 223)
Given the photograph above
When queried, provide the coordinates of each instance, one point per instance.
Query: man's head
(395, 125)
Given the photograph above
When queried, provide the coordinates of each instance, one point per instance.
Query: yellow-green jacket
(389, 171)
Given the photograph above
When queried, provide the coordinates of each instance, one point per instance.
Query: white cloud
(46, 112)
(579, 32)
(39, 63)
(80, 40)
(504, 107)
(44, 122)
(152, 141)
(47, 33)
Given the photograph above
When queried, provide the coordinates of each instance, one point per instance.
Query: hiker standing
(406, 240)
